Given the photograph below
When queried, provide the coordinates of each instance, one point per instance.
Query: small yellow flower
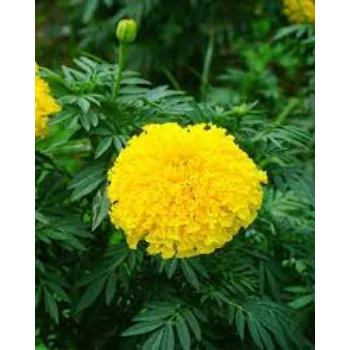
(185, 191)
(300, 11)
(45, 105)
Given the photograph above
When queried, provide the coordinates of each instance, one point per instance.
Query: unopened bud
(241, 109)
(126, 30)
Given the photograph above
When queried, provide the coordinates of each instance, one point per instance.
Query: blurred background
(230, 51)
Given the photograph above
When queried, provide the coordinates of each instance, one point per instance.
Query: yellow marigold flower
(300, 11)
(45, 105)
(185, 191)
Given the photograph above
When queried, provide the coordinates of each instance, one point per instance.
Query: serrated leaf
(91, 294)
(135, 81)
(56, 289)
(190, 275)
(100, 207)
(108, 3)
(89, 9)
(70, 147)
(194, 325)
(93, 119)
(37, 296)
(83, 104)
(183, 333)
(231, 312)
(200, 315)
(103, 146)
(266, 339)
(81, 192)
(160, 92)
(274, 287)
(171, 268)
(168, 342)
(117, 143)
(254, 331)
(88, 278)
(240, 323)
(154, 341)
(133, 90)
(85, 122)
(302, 301)
(42, 218)
(142, 328)
(51, 305)
(199, 267)
(81, 64)
(110, 288)
(154, 314)
(87, 175)
(296, 289)
(67, 75)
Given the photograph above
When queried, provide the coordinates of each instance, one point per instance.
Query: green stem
(121, 66)
(206, 68)
(286, 111)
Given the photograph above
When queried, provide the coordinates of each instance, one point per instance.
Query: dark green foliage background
(238, 64)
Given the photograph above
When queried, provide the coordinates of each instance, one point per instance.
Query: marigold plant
(185, 191)
(45, 105)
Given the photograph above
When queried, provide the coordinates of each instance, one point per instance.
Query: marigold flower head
(300, 11)
(45, 105)
(185, 191)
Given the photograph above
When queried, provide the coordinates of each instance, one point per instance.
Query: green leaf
(183, 333)
(93, 119)
(168, 342)
(108, 3)
(110, 288)
(70, 148)
(91, 294)
(41, 218)
(132, 90)
(103, 146)
(189, 274)
(37, 296)
(254, 331)
(51, 305)
(88, 175)
(154, 341)
(100, 208)
(272, 282)
(78, 193)
(135, 81)
(266, 339)
(57, 290)
(194, 325)
(84, 105)
(296, 289)
(171, 268)
(92, 276)
(154, 314)
(195, 263)
(141, 328)
(302, 301)
(85, 122)
(117, 143)
(240, 323)
(89, 9)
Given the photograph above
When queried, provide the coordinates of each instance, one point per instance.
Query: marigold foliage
(185, 191)
(45, 105)
(300, 11)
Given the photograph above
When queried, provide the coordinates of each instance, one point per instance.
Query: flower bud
(241, 109)
(126, 30)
